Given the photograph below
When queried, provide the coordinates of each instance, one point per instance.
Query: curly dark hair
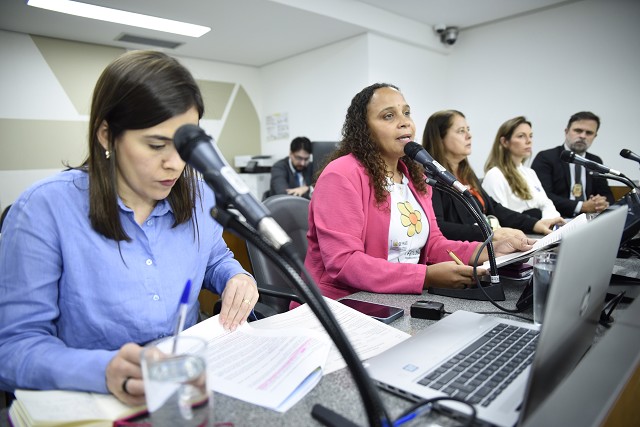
(356, 140)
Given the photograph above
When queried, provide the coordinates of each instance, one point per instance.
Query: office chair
(291, 213)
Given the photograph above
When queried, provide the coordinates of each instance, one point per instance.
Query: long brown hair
(138, 90)
(356, 140)
(433, 141)
(500, 157)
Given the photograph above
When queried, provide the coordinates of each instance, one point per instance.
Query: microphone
(570, 157)
(420, 155)
(628, 154)
(198, 150)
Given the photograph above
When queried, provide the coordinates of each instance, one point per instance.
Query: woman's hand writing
(450, 275)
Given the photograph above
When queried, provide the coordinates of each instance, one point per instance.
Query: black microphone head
(567, 156)
(187, 138)
(412, 148)
(625, 153)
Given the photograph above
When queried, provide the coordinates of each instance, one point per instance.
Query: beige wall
(44, 109)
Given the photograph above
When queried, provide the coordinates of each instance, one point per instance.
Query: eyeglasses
(301, 159)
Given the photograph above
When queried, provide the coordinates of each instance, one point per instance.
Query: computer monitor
(321, 151)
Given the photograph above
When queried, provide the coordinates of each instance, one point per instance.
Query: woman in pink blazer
(371, 223)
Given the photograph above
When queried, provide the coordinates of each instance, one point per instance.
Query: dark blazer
(283, 178)
(555, 176)
(456, 223)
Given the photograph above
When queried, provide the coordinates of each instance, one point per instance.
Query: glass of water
(544, 264)
(175, 382)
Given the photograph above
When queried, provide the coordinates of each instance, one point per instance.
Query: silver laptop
(448, 357)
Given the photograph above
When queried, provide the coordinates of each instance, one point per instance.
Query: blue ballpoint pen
(417, 413)
(182, 313)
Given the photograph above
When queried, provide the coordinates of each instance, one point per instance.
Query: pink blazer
(348, 237)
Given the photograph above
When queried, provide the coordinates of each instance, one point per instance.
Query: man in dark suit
(293, 174)
(572, 188)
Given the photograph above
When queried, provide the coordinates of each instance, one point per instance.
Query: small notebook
(516, 271)
(69, 408)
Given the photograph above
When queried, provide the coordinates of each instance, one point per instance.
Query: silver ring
(124, 385)
(246, 301)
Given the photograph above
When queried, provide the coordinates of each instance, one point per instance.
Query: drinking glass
(174, 371)
(544, 264)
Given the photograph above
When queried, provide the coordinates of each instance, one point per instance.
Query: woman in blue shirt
(94, 259)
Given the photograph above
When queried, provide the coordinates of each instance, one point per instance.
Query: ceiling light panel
(121, 17)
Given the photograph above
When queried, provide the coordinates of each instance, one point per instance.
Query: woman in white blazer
(508, 180)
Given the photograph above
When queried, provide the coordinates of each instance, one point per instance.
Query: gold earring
(107, 154)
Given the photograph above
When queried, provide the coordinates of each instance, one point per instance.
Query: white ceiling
(259, 32)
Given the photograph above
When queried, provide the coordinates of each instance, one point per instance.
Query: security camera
(439, 28)
(449, 35)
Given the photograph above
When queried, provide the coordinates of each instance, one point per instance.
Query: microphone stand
(632, 224)
(493, 291)
(285, 258)
(632, 195)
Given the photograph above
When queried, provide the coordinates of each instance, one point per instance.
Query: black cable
(633, 251)
(605, 314)
(475, 277)
(375, 410)
(473, 208)
(528, 319)
(488, 233)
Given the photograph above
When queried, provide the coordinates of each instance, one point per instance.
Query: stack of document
(273, 362)
(546, 242)
(276, 361)
(273, 368)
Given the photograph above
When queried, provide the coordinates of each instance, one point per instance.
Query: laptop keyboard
(481, 371)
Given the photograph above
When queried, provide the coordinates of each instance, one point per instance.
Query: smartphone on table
(383, 313)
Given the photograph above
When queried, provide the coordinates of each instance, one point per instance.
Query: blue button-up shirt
(70, 298)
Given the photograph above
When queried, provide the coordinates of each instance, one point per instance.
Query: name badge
(577, 190)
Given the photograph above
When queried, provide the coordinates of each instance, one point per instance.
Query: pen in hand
(182, 313)
(455, 257)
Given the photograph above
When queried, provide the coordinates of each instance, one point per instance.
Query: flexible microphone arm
(571, 157)
(493, 292)
(473, 208)
(633, 194)
(622, 178)
(286, 259)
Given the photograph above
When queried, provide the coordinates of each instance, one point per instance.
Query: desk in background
(258, 183)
